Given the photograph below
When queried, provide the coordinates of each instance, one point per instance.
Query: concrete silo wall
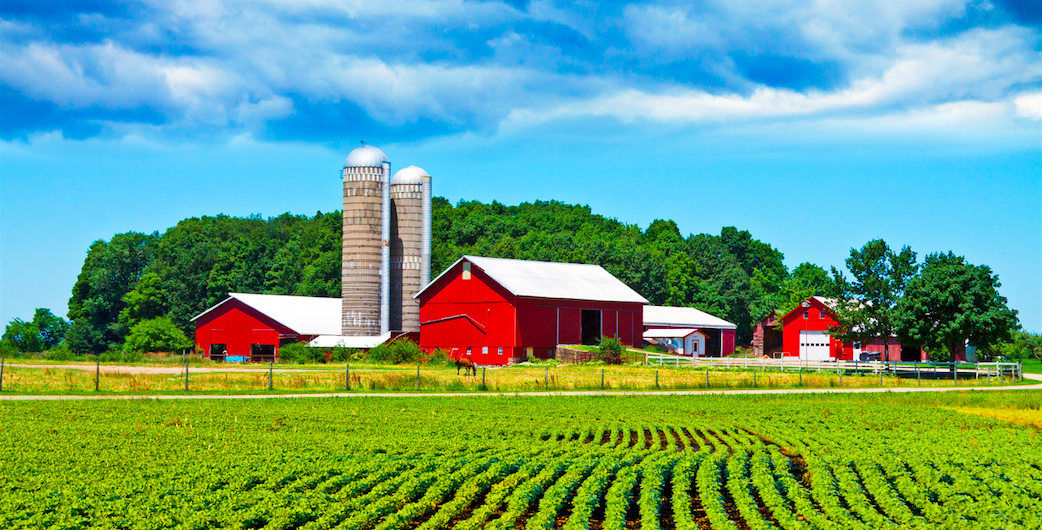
(406, 248)
(362, 250)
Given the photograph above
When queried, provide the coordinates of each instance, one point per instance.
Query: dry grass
(514, 379)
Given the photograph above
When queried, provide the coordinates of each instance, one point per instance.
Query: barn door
(591, 327)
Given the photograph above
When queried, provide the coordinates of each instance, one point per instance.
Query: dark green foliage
(732, 275)
(301, 353)
(110, 271)
(156, 335)
(398, 352)
(44, 332)
(609, 349)
(868, 308)
(950, 302)
(195, 264)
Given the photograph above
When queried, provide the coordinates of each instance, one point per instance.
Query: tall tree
(868, 309)
(952, 302)
(111, 270)
(43, 332)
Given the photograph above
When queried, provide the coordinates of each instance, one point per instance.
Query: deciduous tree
(952, 302)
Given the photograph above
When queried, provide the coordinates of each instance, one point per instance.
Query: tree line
(155, 283)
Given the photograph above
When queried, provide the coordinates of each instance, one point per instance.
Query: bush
(157, 334)
(60, 353)
(609, 350)
(117, 356)
(340, 354)
(439, 356)
(397, 352)
(301, 353)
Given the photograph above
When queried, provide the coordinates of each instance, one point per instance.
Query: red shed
(503, 310)
(253, 326)
(804, 336)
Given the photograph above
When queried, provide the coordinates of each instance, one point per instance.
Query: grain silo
(410, 245)
(366, 252)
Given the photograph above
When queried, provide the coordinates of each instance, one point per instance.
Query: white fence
(935, 370)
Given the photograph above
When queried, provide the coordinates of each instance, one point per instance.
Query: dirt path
(543, 394)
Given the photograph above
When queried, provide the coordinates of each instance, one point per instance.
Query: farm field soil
(610, 462)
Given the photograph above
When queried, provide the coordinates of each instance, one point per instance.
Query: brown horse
(467, 364)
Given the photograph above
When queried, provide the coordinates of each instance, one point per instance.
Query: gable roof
(689, 317)
(543, 279)
(671, 333)
(307, 315)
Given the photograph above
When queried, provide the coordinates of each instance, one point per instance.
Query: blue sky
(815, 125)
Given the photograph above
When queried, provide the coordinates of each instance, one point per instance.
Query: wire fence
(736, 373)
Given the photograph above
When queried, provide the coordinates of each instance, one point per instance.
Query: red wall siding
(238, 326)
(794, 322)
(474, 313)
(728, 339)
(513, 323)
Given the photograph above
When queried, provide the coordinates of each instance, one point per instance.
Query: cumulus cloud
(245, 66)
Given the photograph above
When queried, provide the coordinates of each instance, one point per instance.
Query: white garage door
(814, 345)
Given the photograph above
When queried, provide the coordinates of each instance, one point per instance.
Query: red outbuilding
(503, 310)
(804, 335)
(251, 327)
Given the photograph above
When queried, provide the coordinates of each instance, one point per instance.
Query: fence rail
(977, 370)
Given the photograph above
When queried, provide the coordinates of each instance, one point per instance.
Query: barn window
(484, 350)
(806, 314)
(468, 352)
(466, 270)
(821, 314)
(501, 350)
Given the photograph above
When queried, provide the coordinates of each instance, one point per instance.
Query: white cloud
(1029, 106)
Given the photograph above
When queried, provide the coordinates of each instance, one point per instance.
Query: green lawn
(1032, 366)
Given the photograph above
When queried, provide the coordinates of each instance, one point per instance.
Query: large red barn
(502, 310)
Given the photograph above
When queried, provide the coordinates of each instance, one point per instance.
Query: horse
(467, 364)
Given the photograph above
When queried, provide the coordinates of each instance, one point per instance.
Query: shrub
(610, 349)
(340, 354)
(156, 334)
(439, 356)
(301, 353)
(397, 352)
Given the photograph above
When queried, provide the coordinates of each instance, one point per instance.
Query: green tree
(111, 270)
(805, 281)
(155, 335)
(868, 308)
(44, 332)
(146, 301)
(951, 302)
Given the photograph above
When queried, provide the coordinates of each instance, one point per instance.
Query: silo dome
(366, 156)
(409, 175)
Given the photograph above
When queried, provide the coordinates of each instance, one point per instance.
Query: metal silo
(409, 219)
(364, 272)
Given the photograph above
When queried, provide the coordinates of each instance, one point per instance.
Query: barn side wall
(239, 326)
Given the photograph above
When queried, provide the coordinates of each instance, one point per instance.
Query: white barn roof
(671, 333)
(687, 317)
(332, 341)
(307, 315)
(543, 279)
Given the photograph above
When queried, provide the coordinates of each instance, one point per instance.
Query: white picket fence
(931, 369)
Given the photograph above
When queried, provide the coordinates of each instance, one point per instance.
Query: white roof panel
(543, 279)
(670, 333)
(307, 315)
(331, 341)
(687, 317)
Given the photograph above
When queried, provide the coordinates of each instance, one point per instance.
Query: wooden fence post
(602, 378)
(546, 379)
(417, 377)
(347, 376)
(656, 378)
(482, 376)
(754, 378)
(1, 374)
(707, 378)
(271, 369)
(186, 377)
(97, 374)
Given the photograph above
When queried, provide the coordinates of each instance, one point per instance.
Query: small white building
(679, 341)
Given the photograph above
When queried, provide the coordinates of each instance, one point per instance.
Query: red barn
(804, 336)
(503, 310)
(251, 327)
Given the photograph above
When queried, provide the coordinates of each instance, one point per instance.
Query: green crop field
(951, 460)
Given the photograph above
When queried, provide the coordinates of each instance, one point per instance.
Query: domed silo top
(366, 156)
(409, 175)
